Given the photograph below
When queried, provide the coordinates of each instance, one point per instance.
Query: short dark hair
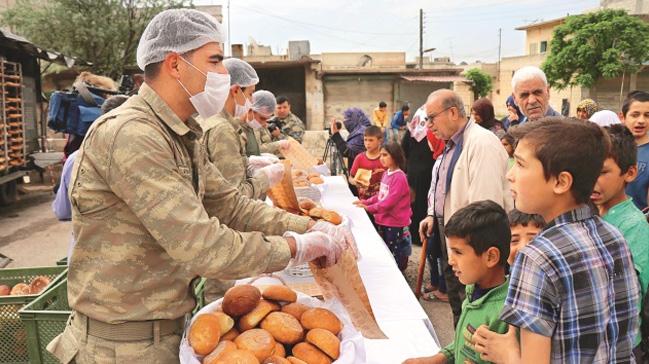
(282, 99)
(373, 131)
(567, 145)
(509, 138)
(405, 107)
(482, 224)
(152, 70)
(516, 217)
(623, 150)
(395, 151)
(634, 96)
(383, 104)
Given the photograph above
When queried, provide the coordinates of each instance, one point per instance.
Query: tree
(105, 33)
(606, 43)
(480, 82)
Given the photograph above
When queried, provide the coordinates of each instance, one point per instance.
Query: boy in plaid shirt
(573, 291)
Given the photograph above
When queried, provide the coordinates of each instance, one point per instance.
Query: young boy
(573, 292)
(478, 242)
(524, 228)
(635, 115)
(618, 209)
(368, 162)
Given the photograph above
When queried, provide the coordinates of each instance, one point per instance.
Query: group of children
(576, 285)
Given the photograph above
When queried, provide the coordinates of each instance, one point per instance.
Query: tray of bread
(274, 325)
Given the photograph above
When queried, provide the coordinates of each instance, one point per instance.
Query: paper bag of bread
(270, 325)
(283, 194)
(298, 155)
(363, 177)
(342, 282)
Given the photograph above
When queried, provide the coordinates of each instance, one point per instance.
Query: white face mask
(254, 124)
(211, 100)
(241, 110)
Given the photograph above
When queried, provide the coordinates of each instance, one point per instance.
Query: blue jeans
(434, 256)
(399, 242)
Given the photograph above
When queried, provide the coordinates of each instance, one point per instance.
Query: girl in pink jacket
(391, 206)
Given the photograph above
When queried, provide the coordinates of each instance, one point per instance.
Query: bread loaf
(239, 300)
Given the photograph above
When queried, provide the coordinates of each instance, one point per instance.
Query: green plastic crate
(63, 261)
(44, 319)
(13, 337)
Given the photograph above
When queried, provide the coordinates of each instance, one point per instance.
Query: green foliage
(103, 32)
(604, 44)
(481, 82)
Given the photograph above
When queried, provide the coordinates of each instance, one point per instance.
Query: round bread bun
(301, 183)
(321, 318)
(316, 212)
(295, 309)
(310, 354)
(274, 359)
(298, 173)
(204, 334)
(279, 350)
(222, 348)
(295, 360)
(313, 174)
(20, 289)
(279, 292)
(231, 335)
(254, 317)
(5, 290)
(307, 204)
(238, 357)
(239, 300)
(316, 180)
(226, 323)
(285, 328)
(332, 217)
(324, 340)
(259, 342)
(38, 284)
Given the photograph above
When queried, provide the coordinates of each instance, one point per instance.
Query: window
(544, 46)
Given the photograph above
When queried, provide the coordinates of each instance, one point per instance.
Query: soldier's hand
(274, 172)
(284, 145)
(339, 234)
(426, 227)
(258, 162)
(313, 245)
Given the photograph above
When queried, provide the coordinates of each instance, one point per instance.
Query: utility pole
(229, 51)
(500, 38)
(421, 39)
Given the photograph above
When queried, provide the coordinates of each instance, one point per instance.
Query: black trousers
(454, 289)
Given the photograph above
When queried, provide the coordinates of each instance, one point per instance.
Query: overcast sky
(465, 30)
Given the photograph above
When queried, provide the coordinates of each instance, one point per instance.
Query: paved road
(31, 235)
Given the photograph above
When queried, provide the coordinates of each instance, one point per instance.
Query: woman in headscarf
(586, 108)
(483, 113)
(355, 121)
(514, 114)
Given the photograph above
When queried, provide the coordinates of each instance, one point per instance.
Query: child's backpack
(74, 111)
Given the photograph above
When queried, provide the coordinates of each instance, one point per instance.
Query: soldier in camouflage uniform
(150, 213)
(290, 124)
(225, 138)
(263, 107)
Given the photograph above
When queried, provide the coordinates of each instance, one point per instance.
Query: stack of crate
(12, 126)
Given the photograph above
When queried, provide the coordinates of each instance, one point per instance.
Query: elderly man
(472, 168)
(532, 93)
(150, 214)
(226, 140)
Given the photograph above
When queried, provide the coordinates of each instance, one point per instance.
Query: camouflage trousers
(74, 345)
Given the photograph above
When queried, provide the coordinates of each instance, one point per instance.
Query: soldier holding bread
(150, 213)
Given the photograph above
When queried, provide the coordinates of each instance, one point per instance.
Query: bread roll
(279, 350)
(307, 204)
(254, 317)
(279, 292)
(324, 340)
(301, 183)
(5, 290)
(231, 335)
(259, 342)
(238, 357)
(321, 318)
(38, 284)
(313, 174)
(310, 354)
(316, 212)
(204, 334)
(239, 300)
(285, 328)
(295, 360)
(222, 348)
(316, 180)
(332, 217)
(295, 309)
(226, 323)
(20, 289)
(274, 359)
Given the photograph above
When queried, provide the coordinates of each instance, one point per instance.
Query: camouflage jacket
(293, 127)
(225, 143)
(150, 214)
(266, 143)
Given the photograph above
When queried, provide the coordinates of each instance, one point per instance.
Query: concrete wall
(354, 60)
(632, 6)
(365, 92)
(314, 95)
(536, 35)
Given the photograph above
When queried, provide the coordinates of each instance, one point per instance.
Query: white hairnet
(178, 31)
(241, 72)
(263, 102)
(605, 118)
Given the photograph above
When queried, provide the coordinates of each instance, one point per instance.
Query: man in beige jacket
(472, 168)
